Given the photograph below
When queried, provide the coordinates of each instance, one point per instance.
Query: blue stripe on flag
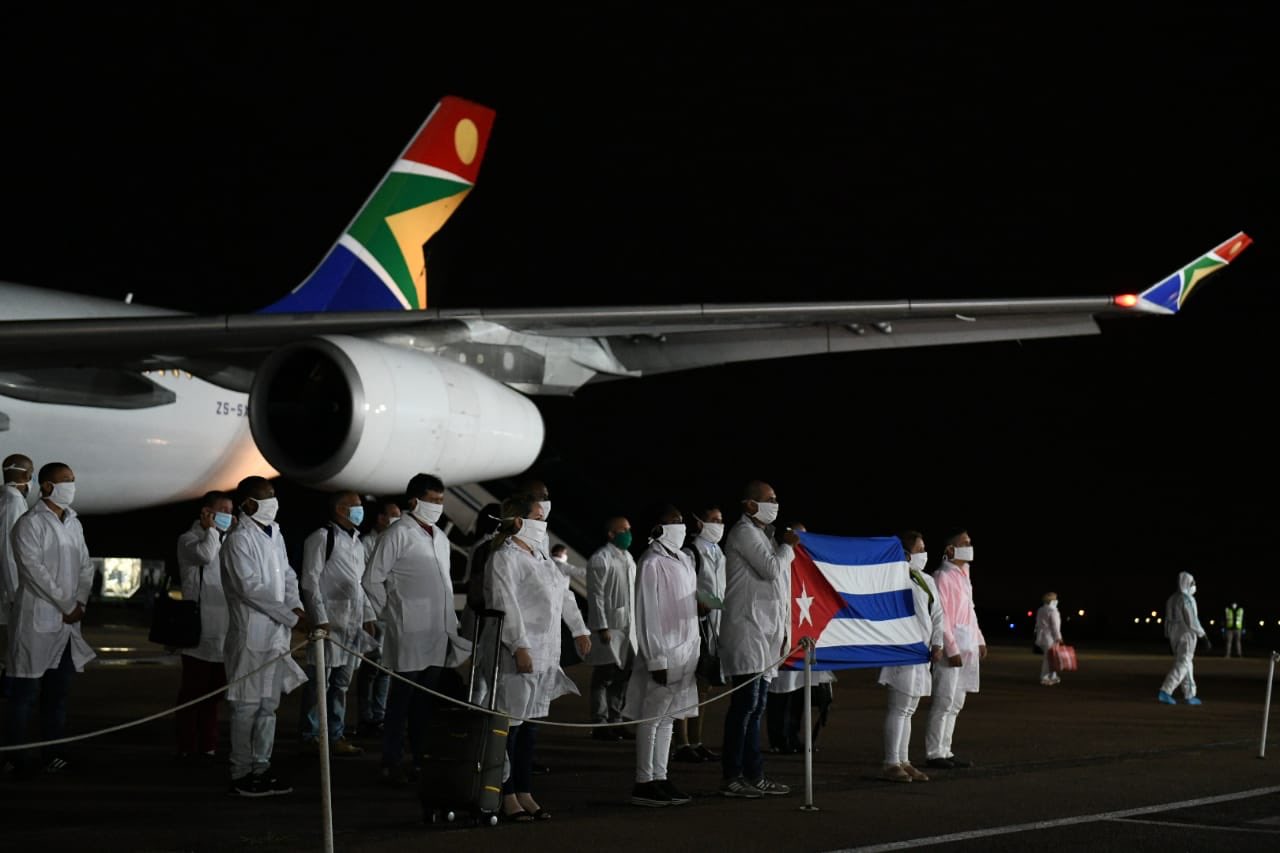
(877, 607)
(864, 551)
(865, 657)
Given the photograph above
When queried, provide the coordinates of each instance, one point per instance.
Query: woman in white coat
(908, 683)
(663, 683)
(1048, 635)
(528, 586)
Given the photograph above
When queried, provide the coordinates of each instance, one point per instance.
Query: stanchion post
(808, 645)
(322, 713)
(1266, 706)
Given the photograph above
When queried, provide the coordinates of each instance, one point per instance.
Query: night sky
(206, 161)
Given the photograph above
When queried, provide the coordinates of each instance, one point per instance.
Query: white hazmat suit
(1182, 627)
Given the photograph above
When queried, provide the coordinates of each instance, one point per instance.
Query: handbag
(1062, 658)
(175, 623)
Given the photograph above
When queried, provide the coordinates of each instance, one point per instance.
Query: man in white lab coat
(963, 648)
(611, 581)
(708, 561)
(203, 668)
(262, 609)
(55, 576)
(1182, 627)
(753, 636)
(410, 589)
(333, 564)
(18, 471)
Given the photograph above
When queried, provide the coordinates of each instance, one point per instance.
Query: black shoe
(249, 785)
(941, 763)
(706, 754)
(677, 797)
(273, 786)
(956, 761)
(687, 754)
(541, 770)
(649, 794)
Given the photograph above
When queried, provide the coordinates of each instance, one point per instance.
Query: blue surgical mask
(222, 521)
(356, 515)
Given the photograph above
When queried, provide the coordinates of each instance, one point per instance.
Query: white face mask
(1054, 604)
(546, 509)
(766, 513)
(427, 513)
(63, 494)
(267, 509)
(919, 561)
(965, 553)
(673, 536)
(1193, 589)
(533, 533)
(712, 531)
(560, 558)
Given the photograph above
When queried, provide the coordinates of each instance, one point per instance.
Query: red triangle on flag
(814, 602)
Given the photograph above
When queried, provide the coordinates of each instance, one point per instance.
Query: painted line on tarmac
(1183, 825)
(1053, 824)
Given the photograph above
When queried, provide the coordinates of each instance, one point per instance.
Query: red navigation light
(1029, 613)
(1126, 300)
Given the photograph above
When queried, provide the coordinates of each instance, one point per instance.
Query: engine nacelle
(337, 412)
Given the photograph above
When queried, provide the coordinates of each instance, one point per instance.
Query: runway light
(1081, 613)
(1210, 621)
(1153, 614)
(1261, 623)
(1135, 620)
(1159, 621)
(1012, 626)
(1029, 613)
(1126, 300)
(1147, 620)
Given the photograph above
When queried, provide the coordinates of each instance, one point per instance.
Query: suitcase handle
(483, 616)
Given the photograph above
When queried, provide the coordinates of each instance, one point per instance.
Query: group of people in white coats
(945, 610)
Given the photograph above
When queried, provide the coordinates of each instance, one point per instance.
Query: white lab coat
(915, 679)
(666, 620)
(1048, 627)
(201, 573)
(262, 592)
(611, 582)
(757, 608)
(710, 565)
(409, 588)
(13, 505)
(331, 593)
(535, 597)
(961, 634)
(54, 575)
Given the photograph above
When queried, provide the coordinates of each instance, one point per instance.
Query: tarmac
(1094, 763)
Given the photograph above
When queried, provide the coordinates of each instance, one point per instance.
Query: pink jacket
(958, 616)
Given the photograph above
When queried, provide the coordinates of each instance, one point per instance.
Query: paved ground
(1094, 763)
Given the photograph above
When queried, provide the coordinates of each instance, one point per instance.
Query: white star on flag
(804, 600)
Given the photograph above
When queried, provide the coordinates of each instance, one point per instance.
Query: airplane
(351, 381)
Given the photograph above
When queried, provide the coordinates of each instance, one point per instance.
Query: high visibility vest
(1235, 618)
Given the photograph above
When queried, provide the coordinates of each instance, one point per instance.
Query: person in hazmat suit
(1182, 627)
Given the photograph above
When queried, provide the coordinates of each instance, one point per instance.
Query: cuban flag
(854, 595)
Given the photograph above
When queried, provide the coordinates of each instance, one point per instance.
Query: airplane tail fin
(377, 264)
(1167, 296)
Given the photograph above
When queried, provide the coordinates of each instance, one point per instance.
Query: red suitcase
(1062, 658)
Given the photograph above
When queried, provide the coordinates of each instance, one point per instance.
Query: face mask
(622, 539)
(427, 513)
(965, 553)
(63, 494)
(712, 531)
(222, 521)
(919, 561)
(1193, 589)
(560, 558)
(1054, 604)
(673, 536)
(766, 513)
(532, 532)
(267, 509)
(355, 515)
(546, 509)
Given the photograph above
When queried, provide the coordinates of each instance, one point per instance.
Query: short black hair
(246, 487)
(420, 484)
(211, 498)
(337, 497)
(952, 534)
(50, 470)
(558, 548)
(909, 538)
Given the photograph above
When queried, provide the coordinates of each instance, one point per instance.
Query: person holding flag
(907, 683)
(962, 644)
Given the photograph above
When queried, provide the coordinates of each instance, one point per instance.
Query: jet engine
(337, 412)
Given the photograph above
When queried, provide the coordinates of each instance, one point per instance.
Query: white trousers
(653, 745)
(1046, 671)
(253, 735)
(1183, 673)
(897, 726)
(944, 707)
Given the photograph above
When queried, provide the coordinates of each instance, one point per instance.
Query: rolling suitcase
(1062, 658)
(466, 749)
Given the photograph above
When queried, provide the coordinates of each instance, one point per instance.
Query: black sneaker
(706, 754)
(272, 785)
(650, 794)
(941, 763)
(956, 761)
(688, 754)
(249, 785)
(677, 797)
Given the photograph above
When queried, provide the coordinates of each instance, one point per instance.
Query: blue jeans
(740, 754)
(52, 689)
(337, 680)
(408, 703)
(372, 686)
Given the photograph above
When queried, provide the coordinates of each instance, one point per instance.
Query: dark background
(206, 159)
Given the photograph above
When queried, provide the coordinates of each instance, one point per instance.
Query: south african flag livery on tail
(378, 262)
(1167, 296)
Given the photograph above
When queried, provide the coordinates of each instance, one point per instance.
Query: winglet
(377, 264)
(1167, 296)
